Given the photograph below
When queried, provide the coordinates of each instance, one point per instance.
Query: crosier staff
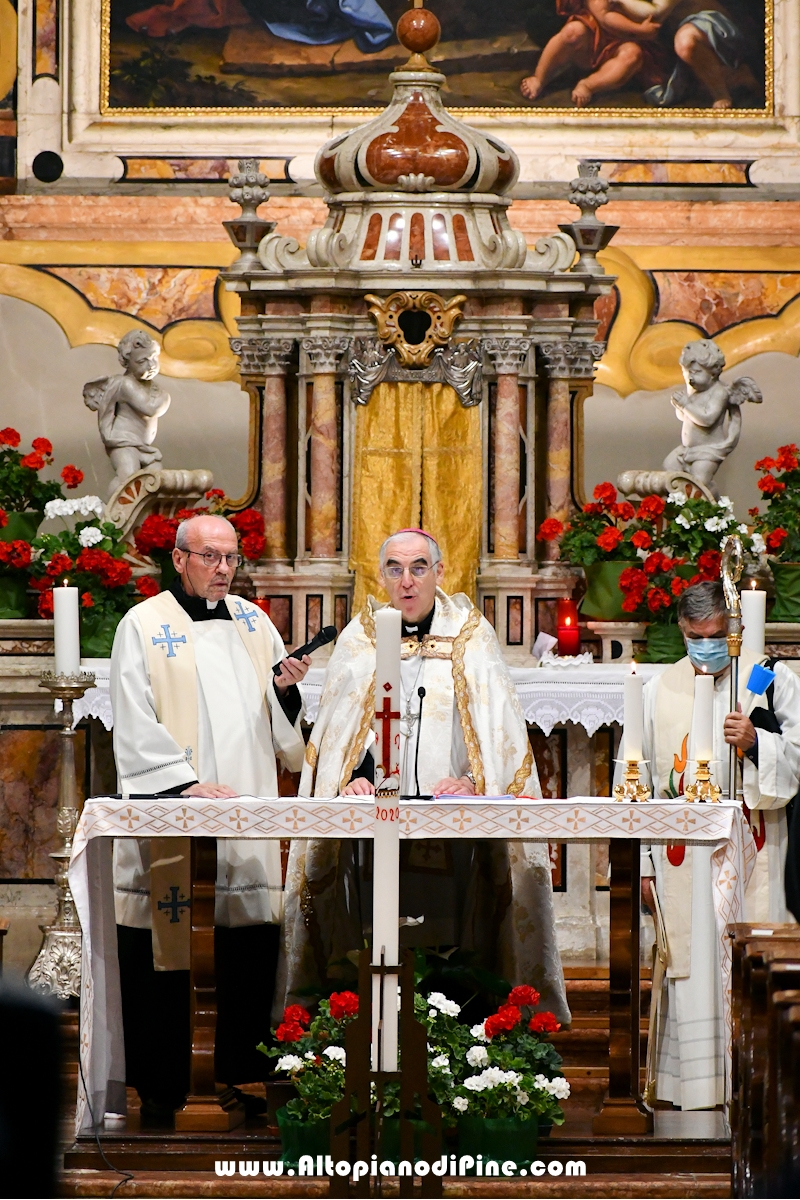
(731, 571)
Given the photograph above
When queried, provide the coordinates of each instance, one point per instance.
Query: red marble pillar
(507, 355)
(324, 354)
(273, 448)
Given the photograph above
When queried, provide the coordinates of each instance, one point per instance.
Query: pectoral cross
(170, 640)
(242, 614)
(175, 905)
(386, 716)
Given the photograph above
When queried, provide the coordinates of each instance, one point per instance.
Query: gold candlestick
(631, 788)
(57, 969)
(703, 790)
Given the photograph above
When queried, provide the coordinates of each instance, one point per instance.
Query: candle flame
(633, 666)
(66, 581)
(567, 620)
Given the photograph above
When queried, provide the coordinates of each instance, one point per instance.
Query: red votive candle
(569, 635)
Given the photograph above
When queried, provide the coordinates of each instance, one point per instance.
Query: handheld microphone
(321, 639)
(421, 693)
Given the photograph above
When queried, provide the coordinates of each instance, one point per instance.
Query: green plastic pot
(603, 599)
(787, 591)
(302, 1137)
(501, 1139)
(21, 527)
(13, 595)
(665, 643)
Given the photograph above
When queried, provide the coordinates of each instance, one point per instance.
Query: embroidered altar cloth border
(580, 819)
(590, 696)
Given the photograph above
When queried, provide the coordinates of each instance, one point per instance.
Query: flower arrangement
(316, 1062)
(779, 526)
(155, 537)
(21, 488)
(604, 530)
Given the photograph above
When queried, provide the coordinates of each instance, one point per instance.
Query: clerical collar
(197, 606)
(421, 628)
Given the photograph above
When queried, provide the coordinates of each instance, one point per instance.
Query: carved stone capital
(324, 353)
(571, 360)
(262, 356)
(507, 354)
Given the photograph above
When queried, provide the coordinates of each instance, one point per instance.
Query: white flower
(432, 1014)
(715, 524)
(477, 1056)
(557, 1087)
(677, 498)
(87, 506)
(90, 536)
(742, 529)
(642, 554)
(684, 519)
(310, 1055)
(491, 1078)
(442, 1062)
(461, 1104)
(521, 1097)
(759, 545)
(335, 1052)
(289, 1062)
(479, 1033)
(440, 1001)
(725, 502)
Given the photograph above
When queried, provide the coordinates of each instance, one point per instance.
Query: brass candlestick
(631, 788)
(703, 790)
(57, 969)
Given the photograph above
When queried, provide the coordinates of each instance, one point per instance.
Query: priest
(690, 1046)
(462, 733)
(199, 712)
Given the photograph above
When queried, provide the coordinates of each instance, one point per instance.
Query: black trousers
(155, 1011)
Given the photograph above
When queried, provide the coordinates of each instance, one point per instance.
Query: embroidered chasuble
(491, 897)
(194, 699)
(690, 1059)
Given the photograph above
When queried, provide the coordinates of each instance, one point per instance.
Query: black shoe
(160, 1110)
(254, 1106)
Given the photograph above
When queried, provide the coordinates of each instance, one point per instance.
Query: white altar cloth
(587, 695)
(580, 819)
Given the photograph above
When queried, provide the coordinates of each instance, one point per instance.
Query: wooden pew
(787, 1170)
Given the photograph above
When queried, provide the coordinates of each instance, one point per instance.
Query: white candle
(634, 716)
(386, 846)
(67, 630)
(754, 620)
(703, 718)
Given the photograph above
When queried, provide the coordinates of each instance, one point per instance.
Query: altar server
(690, 1063)
(459, 703)
(198, 712)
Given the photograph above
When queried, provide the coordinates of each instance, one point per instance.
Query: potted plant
(779, 527)
(23, 496)
(155, 537)
(311, 1053)
(604, 538)
(497, 1080)
(653, 588)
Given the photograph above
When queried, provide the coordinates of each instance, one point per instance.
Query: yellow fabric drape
(417, 462)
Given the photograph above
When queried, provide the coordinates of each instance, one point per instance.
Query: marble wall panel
(28, 797)
(714, 300)
(158, 295)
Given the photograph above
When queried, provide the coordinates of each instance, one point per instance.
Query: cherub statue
(711, 412)
(128, 407)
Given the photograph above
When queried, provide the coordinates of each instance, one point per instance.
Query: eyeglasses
(418, 570)
(212, 558)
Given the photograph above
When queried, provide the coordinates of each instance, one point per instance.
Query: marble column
(324, 354)
(274, 500)
(566, 363)
(507, 354)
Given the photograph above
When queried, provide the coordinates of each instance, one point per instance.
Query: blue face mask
(710, 654)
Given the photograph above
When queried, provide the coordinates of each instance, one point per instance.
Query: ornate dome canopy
(415, 145)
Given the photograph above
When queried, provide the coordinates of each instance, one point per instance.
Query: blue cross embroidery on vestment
(170, 640)
(175, 905)
(243, 614)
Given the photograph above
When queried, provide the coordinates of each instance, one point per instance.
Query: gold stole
(169, 649)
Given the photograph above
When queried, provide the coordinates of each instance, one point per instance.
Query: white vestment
(237, 733)
(690, 1062)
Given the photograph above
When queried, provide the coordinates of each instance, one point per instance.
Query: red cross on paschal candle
(386, 716)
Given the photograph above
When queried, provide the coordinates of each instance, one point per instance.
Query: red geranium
(289, 1032)
(708, 564)
(544, 1022)
(594, 510)
(3, 518)
(156, 532)
(72, 476)
(113, 572)
(15, 554)
(9, 437)
(507, 1017)
(766, 464)
(787, 457)
(678, 585)
(146, 586)
(44, 446)
(658, 598)
(58, 564)
(650, 508)
(87, 600)
(215, 494)
(295, 1014)
(610, 538)
(45, 605)
(606, 493)
(769, 485)
(343, 1004)
(523, 994)
(252, 545)
(549, 530)
(33, 461)
(776, 537)
(249, 520)
(656, 562)
(624, 511)
(641, 539)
